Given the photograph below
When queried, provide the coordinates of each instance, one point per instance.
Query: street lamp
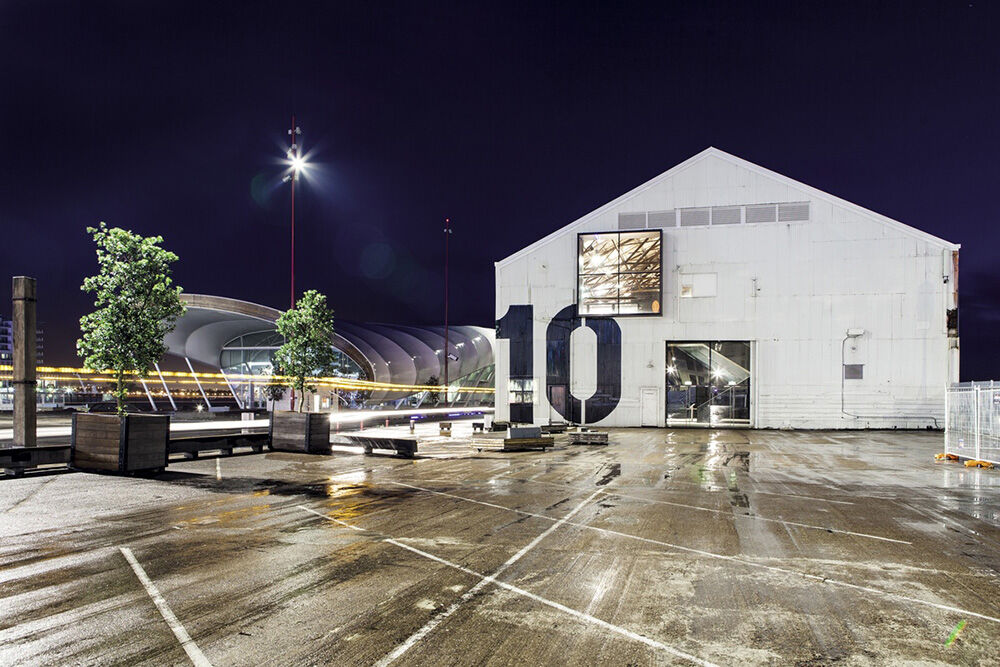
(296, 165)
(447, 235)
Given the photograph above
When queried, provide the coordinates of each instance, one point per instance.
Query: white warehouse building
(724, 294)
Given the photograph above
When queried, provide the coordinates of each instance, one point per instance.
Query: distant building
(48, 395)
(721, 293)
(238, 339)
(7, 343)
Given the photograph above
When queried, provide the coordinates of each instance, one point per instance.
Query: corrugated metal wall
(792, 288)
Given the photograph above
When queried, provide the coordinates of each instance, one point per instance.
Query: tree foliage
(274, 392)
(432, 394)
(136, 304)
(308, 348)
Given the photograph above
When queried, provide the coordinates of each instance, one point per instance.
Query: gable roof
(711, 151)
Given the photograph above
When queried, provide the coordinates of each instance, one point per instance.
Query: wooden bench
(444, 428)
(554, 428)
(15, 460)
(478, 426)
(402, 447)
(500, 426)
(588, 438)
(192, 445)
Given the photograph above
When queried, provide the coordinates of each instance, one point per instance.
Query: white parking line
(759, 518)
(490, 579)
(795, 495)
(755, 517)
(472, 592)
(197, 657)
(510, 473)
(733, 559)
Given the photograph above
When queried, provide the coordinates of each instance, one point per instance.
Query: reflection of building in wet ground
(725, 546)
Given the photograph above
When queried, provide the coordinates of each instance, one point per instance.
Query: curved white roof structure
(385, 352)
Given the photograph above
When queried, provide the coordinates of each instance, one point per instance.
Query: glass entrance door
(708, 383)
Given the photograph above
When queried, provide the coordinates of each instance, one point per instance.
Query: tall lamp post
(447, 234)
(296, 163)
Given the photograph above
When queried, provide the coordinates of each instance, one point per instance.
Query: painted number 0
(516, 326)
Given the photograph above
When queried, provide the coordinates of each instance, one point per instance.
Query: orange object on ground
(945, 456)
(978, 464)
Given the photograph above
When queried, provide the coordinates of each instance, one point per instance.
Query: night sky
(513, 119)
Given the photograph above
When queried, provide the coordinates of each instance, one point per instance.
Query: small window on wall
(521, 390)
(697, 284)
(619, 273)
(854, 371)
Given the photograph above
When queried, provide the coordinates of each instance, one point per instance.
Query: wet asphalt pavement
(667, 546)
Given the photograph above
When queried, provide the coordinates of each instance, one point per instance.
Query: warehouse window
(697, 284)
(619, 273)
(521, 390)
(854, 371)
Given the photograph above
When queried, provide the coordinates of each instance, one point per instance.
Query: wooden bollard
(25, 360)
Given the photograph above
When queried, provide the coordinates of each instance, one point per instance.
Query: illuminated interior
(620, 273)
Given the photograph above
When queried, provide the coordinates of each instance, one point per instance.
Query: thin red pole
(447, 233)
(293, 149)
(294, 174)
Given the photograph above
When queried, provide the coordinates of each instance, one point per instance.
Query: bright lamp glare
(298, 163)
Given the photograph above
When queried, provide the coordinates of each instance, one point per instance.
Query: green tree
(308, 349)
(432, 395)
(136, 304)
(274, 392)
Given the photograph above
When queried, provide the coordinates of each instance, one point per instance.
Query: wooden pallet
(588, 438)
(525, 444)
(513, 444)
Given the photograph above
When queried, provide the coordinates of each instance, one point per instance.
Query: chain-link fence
(972, 426)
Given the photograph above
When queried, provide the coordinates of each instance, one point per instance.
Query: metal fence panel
(972, 421)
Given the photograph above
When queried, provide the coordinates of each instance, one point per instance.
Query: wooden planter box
(300, 431)
(120, 444)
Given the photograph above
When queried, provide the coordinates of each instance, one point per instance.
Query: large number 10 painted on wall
(516, 326)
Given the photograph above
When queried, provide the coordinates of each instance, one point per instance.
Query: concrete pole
(25, 360)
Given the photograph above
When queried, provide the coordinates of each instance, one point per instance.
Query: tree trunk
(120, 392)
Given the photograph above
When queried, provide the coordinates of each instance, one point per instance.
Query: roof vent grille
(793, 212)
(662, 219)
(765, 213)
(726, 215)
(695, 217)
(632, 220)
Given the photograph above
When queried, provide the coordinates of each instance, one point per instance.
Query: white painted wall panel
(793, 289)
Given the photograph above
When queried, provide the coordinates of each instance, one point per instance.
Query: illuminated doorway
(708, 383)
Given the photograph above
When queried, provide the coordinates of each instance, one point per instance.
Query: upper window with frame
(620, 273)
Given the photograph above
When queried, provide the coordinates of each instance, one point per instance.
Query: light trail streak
(224, 424)
(58, 373)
